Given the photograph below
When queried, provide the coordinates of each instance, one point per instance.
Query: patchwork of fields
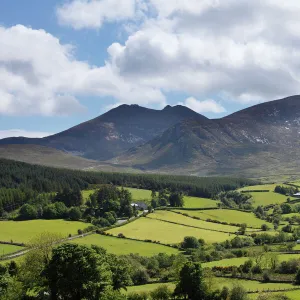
(7, 249)
(227, 215)
(155, 230)
(124, 246)
(24, 231)
(181, 219)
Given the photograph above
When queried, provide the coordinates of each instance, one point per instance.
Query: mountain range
(262, 140)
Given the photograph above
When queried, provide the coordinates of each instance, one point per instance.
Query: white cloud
(22, 133)
(236, 48)
(81, 14)
(39, 75)
(205, 106)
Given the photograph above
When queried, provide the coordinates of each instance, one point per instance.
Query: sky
(65, 62)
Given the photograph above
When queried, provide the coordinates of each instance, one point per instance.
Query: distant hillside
(255, 141)
(113, 132)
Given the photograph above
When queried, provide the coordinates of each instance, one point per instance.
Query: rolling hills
(255, 142)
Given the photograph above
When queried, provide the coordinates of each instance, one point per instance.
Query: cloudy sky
(64, 62)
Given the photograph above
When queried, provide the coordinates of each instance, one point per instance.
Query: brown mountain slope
(263, 137)
(113, 132)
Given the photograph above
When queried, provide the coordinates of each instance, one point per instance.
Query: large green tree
(78, 272)
(191, 283)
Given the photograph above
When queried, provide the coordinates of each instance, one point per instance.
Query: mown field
(155, 230)
(24, 231)
(226, 215)
(195, 202)
(219, 283)
(292, 295)
(178, 218)
(7, 249)
(265, 198)
(124, 246)
(240, 260)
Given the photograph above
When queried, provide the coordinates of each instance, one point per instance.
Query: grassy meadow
(7, 249)
(218, 283)
(195, 202)
(124, 246)
(227, 215)
(180, 219)
(24, 231)
(155, 230)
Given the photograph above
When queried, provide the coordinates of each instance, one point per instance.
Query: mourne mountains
(260, 141)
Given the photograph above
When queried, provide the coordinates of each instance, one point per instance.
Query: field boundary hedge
(191, 226)
(256, 191)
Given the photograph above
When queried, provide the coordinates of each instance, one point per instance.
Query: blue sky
(64, 62)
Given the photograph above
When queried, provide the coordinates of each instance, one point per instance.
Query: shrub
(161, 293)
(266, 277)
(190, 242)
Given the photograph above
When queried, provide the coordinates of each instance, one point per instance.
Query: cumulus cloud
(23, 133)
(205, 106)
(245, 51)
(40, 75)
(81, 14)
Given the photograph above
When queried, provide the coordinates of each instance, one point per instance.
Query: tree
(163, 198)
(140, 276)
(238, 292)
(191, 283)
(264, 227)
(242, 229)
(176, 200)
(78, 272)
(74, 213)
(28, 212)
(162, 292)
(297, 278)
(37, 258)
(286, 208)
(190, 242)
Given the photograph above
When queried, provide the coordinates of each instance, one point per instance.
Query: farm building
(297, 195)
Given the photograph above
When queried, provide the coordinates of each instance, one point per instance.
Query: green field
(292, 295)
(24, 231)
(240, 260)
(195, 202)
(218, 283)
(86, 194)
(7, 249)
(174, 217)
(140, 195)
(148, 287)
(265, 198)
(123, 246)
(250, 285)
(226, 215)
(146, 228)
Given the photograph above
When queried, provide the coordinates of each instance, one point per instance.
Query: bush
(161, 293)
(264, 227)
(266, 277)
(140, 277)
(138, 296)
(28, 212)
(121, 236)
(190, 242)
(297, 278)
(74, 214)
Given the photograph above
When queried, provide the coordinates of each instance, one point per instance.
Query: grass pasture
(240, 260)
(292, 295)
(227, 215)
(24, 231)
(219, 283)
(124, 246)
(86, 194)
(155, 230)
(265, 198)
(149, 287)
(177, 218)
(140, 194)
(195, 202)
(8, 249)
